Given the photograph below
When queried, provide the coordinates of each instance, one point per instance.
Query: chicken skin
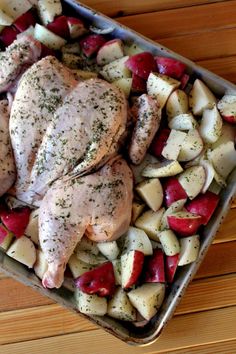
(22, 53)
(97, 205)
(7, 171)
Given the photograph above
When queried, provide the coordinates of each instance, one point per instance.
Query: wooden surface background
(205, 321)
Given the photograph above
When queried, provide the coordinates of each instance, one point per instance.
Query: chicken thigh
(7, 170)
(98, 205)
(22, 53)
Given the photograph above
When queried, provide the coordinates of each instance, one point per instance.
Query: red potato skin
(3, 233)
(159, 142)
(170, 67)
(8, 35)
(229, 119)
(141, 64)
(154, 269)
(16, 220)
(184, 226)
(91, 44)
(204, 205)
(184, 81)
(73, 21)
(45, 51)
(100, 281)
(171, 264)
(173, 191)
(25, 21)
(60, 27)
(138, 84)
(136, 270)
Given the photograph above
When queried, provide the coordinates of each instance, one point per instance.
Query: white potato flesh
(189, 249)
(90, 258)
(5, 244)
(200, 98)
(160, 87)
(137, 169)
(215, 188)
(169, 242)
(184, 121)
(78, 267)
(86, 244)
(117, 270)
(150, 222)
(133, 49)
(173, 144)
(223, 158)
(48, 38)
(137, 209)
(23, 251)
(137, 240)
(192, 146)
(41, 264)
(125, 85)
(162, 169)
(32, 230)
(151, 192)
(91, 304)
(109, 249)
(192, 180)
(173, 208)
(227, 106)
(48, 10)
(15, 8)
(177, 103)
(110, 51)
(116, 70)
(228, 133)
(209, 171)
(5, 19)
(220, 180)
(147, 298)
(120, 307)
(211, 125)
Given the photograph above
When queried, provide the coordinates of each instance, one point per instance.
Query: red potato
(59, 26)
(227, 108)
(8, 35)
(76, 27)
(131, 268)
(16, 220)
(99, 281)
(91, 44)
(184, 223)
(171, 264)
(110, 51)
(154, 270)
(138, 84)
(45, 51)
(204, 205)
(141, 64)
(25, 21)
(173, 191)
(159, 142)
(184, 81)
(3, 233)
(170, 67)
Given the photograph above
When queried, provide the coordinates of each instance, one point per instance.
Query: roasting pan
(126, 331)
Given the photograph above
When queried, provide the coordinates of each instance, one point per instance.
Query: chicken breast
(84, 131)
(7, 170)
(22, 53)
(147, 114)
(98, 205)
(41, 90)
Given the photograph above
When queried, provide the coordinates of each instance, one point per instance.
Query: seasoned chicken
(148, 116)
(83, 132)
(7, 170)
(22, 53)
(97, 205)
(41, 90)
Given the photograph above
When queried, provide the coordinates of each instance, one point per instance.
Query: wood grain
(224, 67)
(217, 348)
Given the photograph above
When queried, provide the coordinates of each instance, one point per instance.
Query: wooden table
(205, 321)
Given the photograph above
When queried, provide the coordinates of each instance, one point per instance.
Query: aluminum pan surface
(124, 331)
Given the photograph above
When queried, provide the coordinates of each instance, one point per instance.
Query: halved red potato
(138, 84)
(192, 180)
(204, 205)
(91, 44)
(191, 147)
(170, 67)
(154, 270)
(131, 268)
(189, 250)
(227, 108)
(159, 141)
(16, 220)
(141, 64)
(25, 21)
(76, 27)
(48, 10)
(184, 223)
(211, 125)
(200, 98)
(171, 265)
(110, 51)
(59, 26)
(173, 191)
(8, 35)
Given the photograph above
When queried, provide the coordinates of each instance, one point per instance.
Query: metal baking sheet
(126, 331)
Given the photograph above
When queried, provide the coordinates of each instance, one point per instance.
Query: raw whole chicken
(22, 53)
(7, 170)
(147, 114)
(75, 126)
(97, 205)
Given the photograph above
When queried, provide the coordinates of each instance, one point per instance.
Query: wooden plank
(189, 20)
(52, 320)
(220, 260)
(218, 348)
(227, 231)
(124, 7)
(224, 67)
(185, 331)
